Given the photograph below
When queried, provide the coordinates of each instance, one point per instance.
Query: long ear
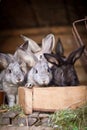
(59, 48)
(51, 58)
(6, 59)
(48, 43)
(31, 44)
(28, 57)
(75, 55)
(24, 46)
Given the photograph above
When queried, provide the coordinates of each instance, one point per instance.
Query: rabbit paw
(29, 85)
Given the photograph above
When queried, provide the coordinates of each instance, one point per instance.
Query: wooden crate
(50, 99)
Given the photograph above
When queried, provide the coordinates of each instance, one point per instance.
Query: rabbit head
(13, 72)
(40, 74)
(48, 44)
(64, 73)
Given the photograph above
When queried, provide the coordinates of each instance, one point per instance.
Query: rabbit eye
(9, 70)
(36, 71)
(48, 70)
(40, 56)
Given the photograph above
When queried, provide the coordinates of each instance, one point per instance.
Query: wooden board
(51, 99)
(25, 99)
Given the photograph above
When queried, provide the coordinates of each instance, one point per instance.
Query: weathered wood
(51, 99)
(54, 98)
(25, 99)
(37, 31)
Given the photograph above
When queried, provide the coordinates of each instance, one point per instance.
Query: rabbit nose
(44, 82)
(19, 80)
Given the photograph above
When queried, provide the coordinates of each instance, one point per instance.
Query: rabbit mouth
(19, 81)
(43, 83)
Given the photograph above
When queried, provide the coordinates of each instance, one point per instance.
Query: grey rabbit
(47, 46)
(11, 77)
(40, 74)
(64, 73)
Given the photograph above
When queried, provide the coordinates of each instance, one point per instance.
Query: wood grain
(51, 99)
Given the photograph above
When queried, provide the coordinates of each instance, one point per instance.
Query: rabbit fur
(22, 55)
(63, 70)
(11, 77)
(48, 44)
(30, 52)
(39, 75)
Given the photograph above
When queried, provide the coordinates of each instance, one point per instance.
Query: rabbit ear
(24, 46)
(48, 43)
(51, 58)
(75, 55)
(6, 59)
(31, 44)
(59, 48)
(28, 57)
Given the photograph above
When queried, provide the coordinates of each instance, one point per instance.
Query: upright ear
(51, 58)
(6, 59)
(75, 55)
(48, 43)
(24, 67)
(31, 44)
(23, 56)
(59, 48)
(24, 46)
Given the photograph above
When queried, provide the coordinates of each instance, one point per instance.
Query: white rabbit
(48, 44)
(11, 77)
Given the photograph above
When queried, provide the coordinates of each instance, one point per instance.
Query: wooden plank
(25, 99)
(51, 99)
(55, 98)
(38, 31)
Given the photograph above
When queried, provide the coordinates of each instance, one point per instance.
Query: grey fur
(39, 75)
(10, 78)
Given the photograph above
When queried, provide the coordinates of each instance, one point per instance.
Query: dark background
(40, 13)
(36, 19)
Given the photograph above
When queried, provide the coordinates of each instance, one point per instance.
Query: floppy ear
(48, 43)
(59, 48)
(6, 59)
(51, 58)
(32, 45)
(75, 55)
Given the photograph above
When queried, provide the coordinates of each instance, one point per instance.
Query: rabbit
(48, 44)
(11, 77)
(22, 55)
(63, 70)
(40, 74)
(30, 52)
